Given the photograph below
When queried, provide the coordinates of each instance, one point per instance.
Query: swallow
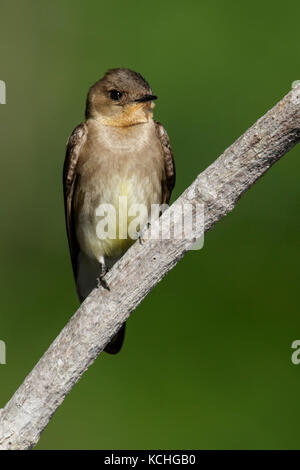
(119, 151)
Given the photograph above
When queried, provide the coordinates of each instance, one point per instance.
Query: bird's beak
(145, 98)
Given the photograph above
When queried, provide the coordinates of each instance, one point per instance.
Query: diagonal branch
(96, 321)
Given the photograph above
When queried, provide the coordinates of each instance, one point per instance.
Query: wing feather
(74, 146)
(170, 174)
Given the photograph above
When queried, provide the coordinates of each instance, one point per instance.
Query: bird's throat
(137, 113)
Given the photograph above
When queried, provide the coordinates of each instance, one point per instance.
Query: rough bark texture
(219, 187)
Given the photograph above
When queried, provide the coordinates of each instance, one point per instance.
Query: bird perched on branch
(119, 151)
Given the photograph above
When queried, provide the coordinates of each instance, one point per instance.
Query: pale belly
(114, 208)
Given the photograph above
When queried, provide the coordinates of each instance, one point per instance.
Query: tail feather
(116, 343)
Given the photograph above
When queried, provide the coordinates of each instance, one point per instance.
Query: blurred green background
(207, 358)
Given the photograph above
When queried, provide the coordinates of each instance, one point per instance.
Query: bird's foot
(142, 233)
(102, 282)
(100, 279)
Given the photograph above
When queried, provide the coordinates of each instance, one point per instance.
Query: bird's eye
(115, 95)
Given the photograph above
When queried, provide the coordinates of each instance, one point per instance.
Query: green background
(207, 358)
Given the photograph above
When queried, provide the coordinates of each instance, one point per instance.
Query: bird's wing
(169, 182)
(74, 146)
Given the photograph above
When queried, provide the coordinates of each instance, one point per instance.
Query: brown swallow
(119, 151)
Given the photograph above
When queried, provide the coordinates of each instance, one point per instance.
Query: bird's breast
(114, 197)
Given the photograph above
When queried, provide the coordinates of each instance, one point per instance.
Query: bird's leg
(142, 232)
(102, 272)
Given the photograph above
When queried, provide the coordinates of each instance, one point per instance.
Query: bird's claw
(101, 282)
(141, 239)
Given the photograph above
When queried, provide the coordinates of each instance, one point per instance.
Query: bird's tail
(116, 343)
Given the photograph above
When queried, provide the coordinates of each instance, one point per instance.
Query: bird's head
(121, 98)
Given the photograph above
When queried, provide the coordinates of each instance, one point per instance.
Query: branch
(100, 316)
